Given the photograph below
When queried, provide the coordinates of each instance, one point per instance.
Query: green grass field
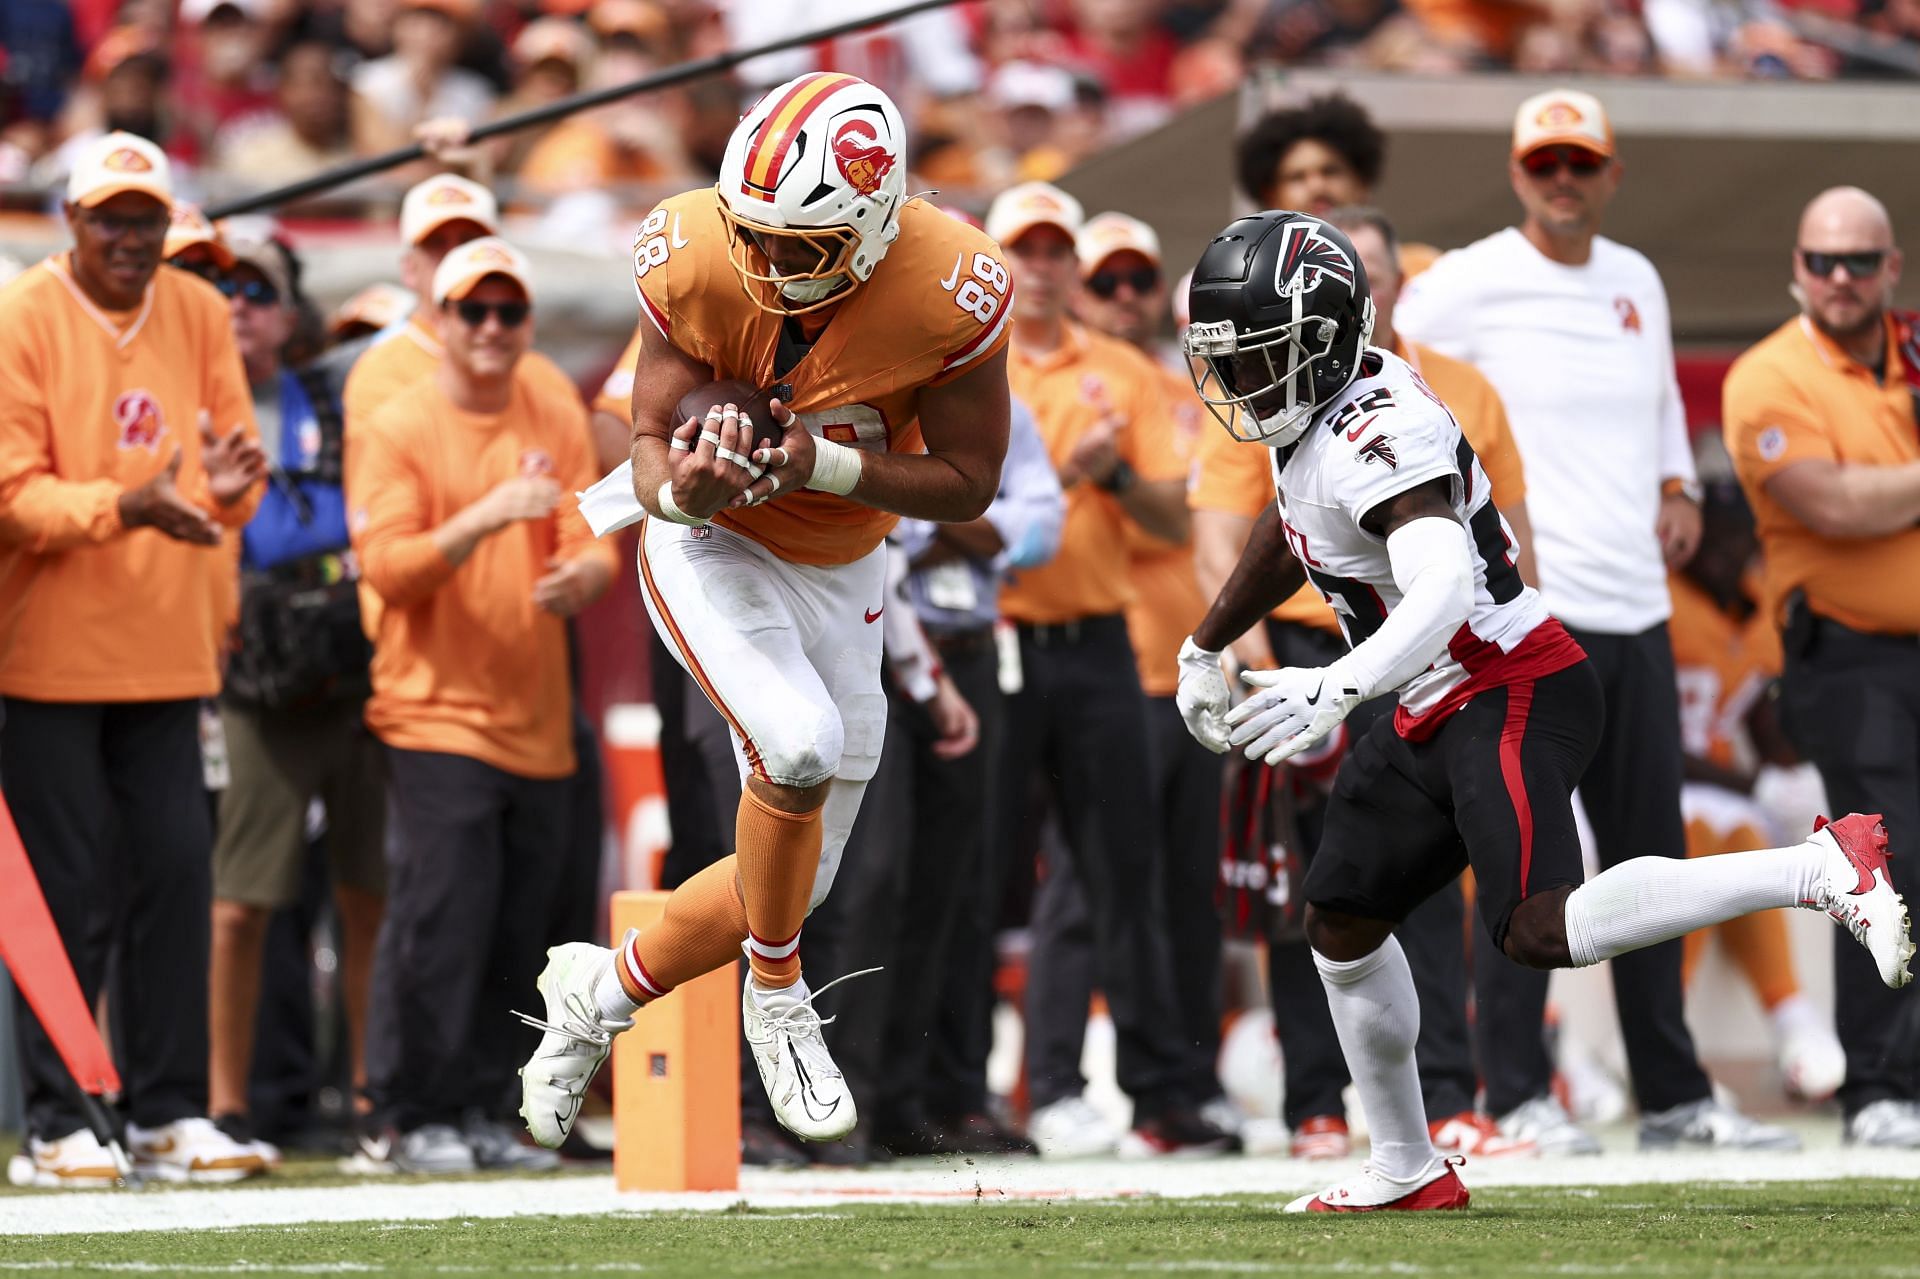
(1856, 1229)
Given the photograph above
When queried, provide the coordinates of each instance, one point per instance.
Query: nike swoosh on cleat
(807, 1099)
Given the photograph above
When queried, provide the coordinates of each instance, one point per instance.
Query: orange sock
(1758, 943)
(779, 854)
(700, 930)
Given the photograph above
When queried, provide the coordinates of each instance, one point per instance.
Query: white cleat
(808, 1092)
(1436, 1188)
(576, 1041)
(1856, 891)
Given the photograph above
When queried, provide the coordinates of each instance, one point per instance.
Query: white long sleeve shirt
(1583, 359)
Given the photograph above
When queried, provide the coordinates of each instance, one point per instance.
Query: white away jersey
(1385, 434)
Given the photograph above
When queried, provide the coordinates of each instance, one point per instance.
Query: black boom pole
(680, 74)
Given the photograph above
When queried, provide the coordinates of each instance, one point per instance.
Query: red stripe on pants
(1519, 702)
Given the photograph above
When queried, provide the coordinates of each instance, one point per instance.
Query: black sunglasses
(474, 314)
(253, 292)
(1548, 161)
(115, 225)
(1104, 284)
(1860, 266)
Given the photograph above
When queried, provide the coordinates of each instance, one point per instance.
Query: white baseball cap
(444, 198)
(1562, 117)
(1111, 233)
(1020, 209)
(117, 162)
(463, 268)
(186, 227)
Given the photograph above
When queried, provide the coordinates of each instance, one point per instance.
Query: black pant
(1079, 725)
(1186, 780)
(1852, 705)
(471, 880)
(1632, 797)
(1314, 1071)
(112, 809)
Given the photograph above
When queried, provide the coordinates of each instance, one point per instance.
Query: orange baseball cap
(1111, 233)
(1562, 117)
(444, 198)
(1020, 209)
(186, 227)
(118, 162)
(462, 269)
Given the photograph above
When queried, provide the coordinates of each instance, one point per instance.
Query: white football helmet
(811, 189)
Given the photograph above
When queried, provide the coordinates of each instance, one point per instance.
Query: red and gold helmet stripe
(768, 152)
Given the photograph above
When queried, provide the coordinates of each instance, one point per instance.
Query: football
(754, 403)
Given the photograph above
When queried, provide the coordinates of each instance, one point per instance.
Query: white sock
(1377, 1016)
(763, 996)
(608, 994)
(1655, 899)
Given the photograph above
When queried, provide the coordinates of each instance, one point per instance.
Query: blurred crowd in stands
(246, 93)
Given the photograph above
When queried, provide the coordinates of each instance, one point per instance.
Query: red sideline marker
(30, 946)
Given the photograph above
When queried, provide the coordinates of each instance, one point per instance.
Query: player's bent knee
(805, 751)
(1537, 932)
(1344, 938)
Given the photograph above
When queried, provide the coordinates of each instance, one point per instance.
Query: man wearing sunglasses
(462, 511)
(1572, 330)
(1820, 420)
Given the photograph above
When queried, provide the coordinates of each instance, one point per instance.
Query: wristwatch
(1689, 489)
(1121, 478)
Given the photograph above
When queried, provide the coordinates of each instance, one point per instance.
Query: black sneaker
(767, 1145)
(981, 1134)
(1176, 1132)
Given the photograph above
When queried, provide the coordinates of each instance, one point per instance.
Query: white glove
(1295, 707)
(1203, 696)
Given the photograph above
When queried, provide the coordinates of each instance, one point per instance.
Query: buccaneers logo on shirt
(1308, 257)
(137, 414)
(534, 463)
(1629, 313)
(862, 158)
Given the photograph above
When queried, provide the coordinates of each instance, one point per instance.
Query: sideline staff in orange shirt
(464, 518)
(1820, 420)
(127, 450)
(1123, 294)
(1080, 717)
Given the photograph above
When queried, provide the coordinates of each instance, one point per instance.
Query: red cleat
(1322, 1137)
(1472, 1133)
(1857, 891)
(1436, 1189)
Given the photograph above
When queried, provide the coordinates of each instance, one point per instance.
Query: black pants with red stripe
(1632, 796)
(1492, 789)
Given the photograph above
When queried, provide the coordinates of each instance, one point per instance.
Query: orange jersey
(1086, 380)
(616, 393)
(1237, 478)
(1796, 397)
(92, 405)
(1167, 600)
(393, 366)
(1723, 666)
(464, 662)
(934, 308)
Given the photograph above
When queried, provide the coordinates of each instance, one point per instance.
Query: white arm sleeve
(1433, 567)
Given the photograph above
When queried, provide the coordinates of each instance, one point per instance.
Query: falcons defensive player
(1382, 505)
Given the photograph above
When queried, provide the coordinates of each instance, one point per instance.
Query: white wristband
(836, 468)
(669, 510)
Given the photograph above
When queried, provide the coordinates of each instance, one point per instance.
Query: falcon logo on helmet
(810, 189)
(1307, 257)
(1281, 318)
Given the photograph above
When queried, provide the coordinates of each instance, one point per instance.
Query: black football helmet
(1281, 314)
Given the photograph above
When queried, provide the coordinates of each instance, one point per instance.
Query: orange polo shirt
(1167, 600)
(1237, 478)
(93, 404)
(1794, 397)
(464, 662)
(1070, 389)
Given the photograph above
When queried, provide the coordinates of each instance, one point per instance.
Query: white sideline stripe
(930, 1182)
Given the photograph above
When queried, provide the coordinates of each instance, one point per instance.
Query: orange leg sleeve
(779, 854)
(700, 930)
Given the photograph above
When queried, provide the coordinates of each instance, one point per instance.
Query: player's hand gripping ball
(756, 404)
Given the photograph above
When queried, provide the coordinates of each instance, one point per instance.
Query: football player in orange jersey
(884, 323)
